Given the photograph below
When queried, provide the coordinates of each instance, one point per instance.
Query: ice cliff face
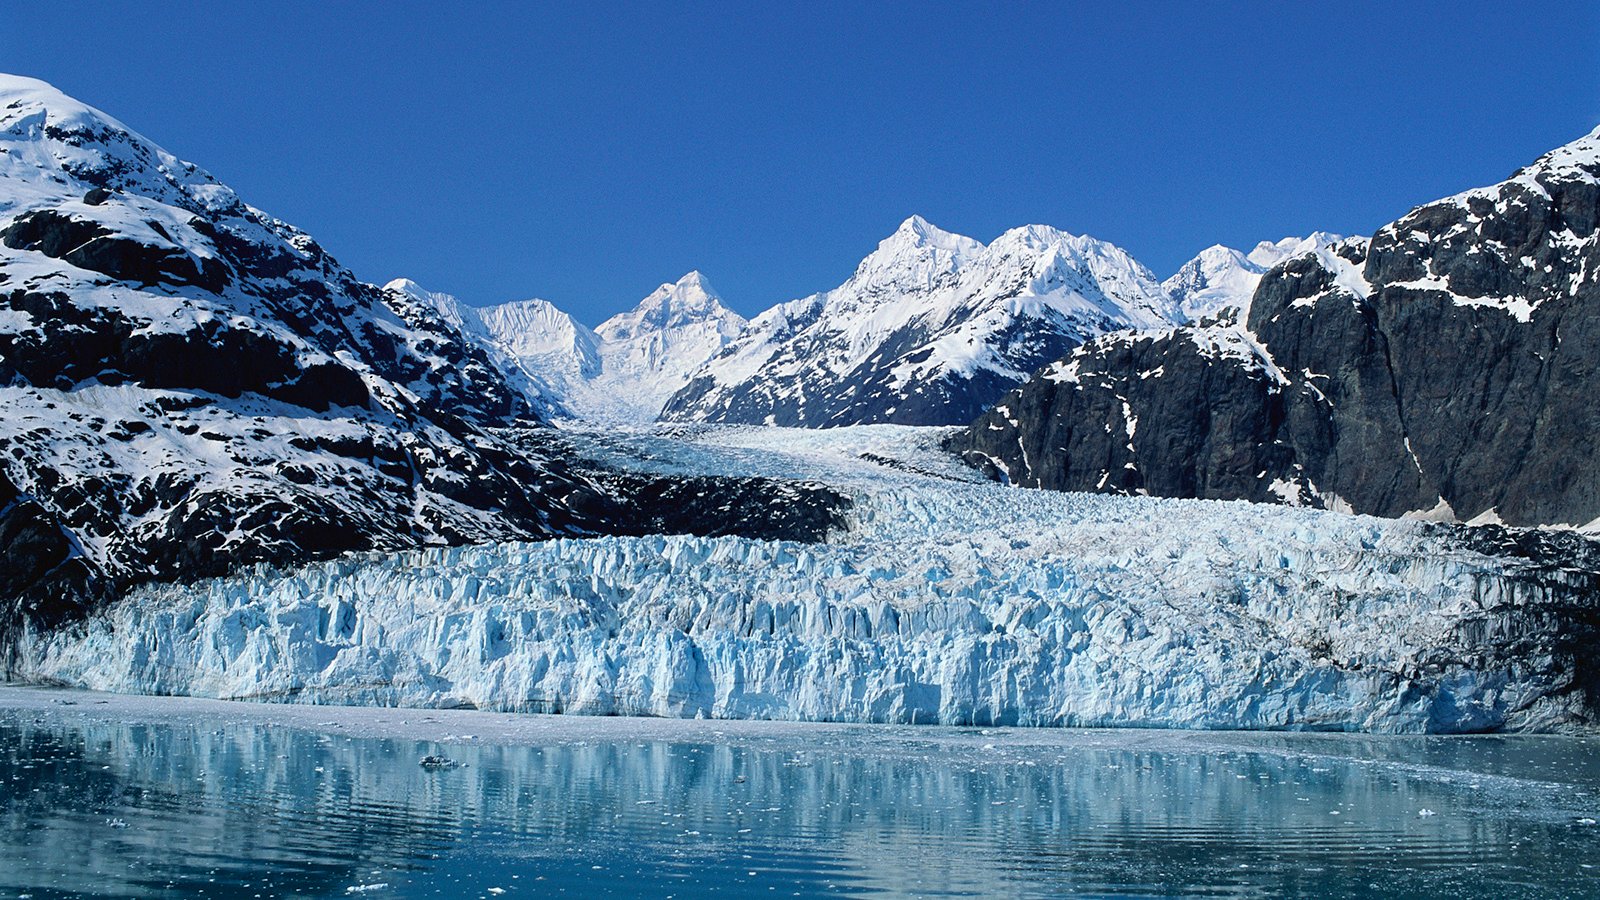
(929, 330)
(1445, 368)
(944, 601)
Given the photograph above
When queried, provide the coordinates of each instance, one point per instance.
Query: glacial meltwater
(106, 796)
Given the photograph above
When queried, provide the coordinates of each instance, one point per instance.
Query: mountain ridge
(929, 327)
(1440, 369)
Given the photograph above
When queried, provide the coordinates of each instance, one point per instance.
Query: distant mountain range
(620, 372)
(930, 330)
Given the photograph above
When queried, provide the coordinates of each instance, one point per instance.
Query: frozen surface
(945, 601)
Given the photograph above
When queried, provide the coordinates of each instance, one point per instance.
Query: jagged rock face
(188, 385)
(1446, 367)
(930, 329)
(1488, 302)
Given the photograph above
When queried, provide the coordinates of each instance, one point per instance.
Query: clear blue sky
(588, 152)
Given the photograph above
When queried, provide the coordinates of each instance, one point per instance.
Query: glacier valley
(944, 599)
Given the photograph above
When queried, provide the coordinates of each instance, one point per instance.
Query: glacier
(945, 600)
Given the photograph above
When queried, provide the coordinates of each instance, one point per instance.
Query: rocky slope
(1444, 368)
(188, 385)
(929, 330)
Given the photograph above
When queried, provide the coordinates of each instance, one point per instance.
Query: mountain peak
(692, 288)
(1270, 253)
(918, 227)
(916, 231)
(1581, 153)
(674, 305)
(28, 101)
(915, 257)
(1039, 237)
(690, 298)
(1221, 252)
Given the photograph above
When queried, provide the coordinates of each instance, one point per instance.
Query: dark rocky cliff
(1446, 366)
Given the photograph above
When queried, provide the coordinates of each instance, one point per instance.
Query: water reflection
(89, 808)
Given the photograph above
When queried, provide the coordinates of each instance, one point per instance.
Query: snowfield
(946, 601)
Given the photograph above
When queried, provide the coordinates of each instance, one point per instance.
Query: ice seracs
(944, 601)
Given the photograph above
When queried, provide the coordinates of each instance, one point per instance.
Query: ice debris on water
(437, 762)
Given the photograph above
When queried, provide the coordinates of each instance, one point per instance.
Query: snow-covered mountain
(188, 385)
(1443, 368)
(618, 373)
(929, 330)
(648, 353)
(1221, 278)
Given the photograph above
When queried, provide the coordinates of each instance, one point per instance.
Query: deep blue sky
(586, 153)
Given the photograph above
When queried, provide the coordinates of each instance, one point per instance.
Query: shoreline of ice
(946, 602)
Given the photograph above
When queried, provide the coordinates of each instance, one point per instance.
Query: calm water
(92, 804)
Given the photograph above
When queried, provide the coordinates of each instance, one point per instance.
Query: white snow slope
(945, 600)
